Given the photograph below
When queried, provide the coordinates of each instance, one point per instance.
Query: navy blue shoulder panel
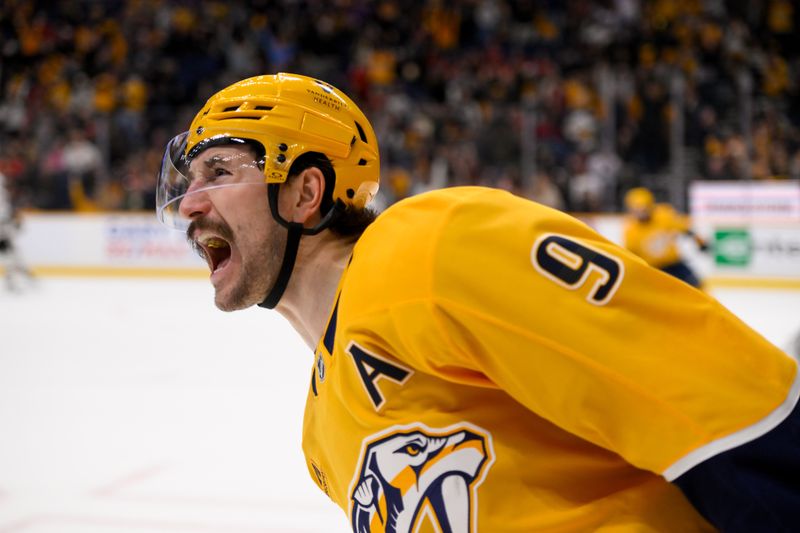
(330, 331)
(752, 488)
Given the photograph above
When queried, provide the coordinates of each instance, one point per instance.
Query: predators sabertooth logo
(411, 474)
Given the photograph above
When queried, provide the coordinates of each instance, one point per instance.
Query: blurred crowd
(569, 103)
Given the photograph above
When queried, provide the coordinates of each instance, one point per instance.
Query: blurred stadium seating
(568, 103)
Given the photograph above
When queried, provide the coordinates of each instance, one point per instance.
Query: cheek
(256, 230)
(245, 208)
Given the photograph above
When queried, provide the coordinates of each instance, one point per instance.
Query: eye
(216, 173)
(412, 449)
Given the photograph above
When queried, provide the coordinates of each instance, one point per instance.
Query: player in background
(13, 267)
(481, 362)
(652, 231)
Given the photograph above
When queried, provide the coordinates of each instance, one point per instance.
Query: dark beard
(258, 274)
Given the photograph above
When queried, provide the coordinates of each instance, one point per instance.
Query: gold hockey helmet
(640, 199)
(288, 115)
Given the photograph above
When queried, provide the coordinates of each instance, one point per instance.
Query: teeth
(214, 242)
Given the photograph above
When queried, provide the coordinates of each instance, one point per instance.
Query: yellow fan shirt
(495, 365)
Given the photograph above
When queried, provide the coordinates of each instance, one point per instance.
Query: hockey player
(652, 232)
(10, 260)
(481, 362)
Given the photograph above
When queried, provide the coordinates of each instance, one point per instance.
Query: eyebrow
(215, 159)
(208, 163)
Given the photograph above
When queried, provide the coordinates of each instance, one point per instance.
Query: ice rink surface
(133, 406)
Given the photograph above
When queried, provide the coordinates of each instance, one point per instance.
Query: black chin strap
(295, 231)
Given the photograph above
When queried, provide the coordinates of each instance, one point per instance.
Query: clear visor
(226, 163)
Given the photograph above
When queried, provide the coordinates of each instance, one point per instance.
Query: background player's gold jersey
(494, 365)
(656, 240)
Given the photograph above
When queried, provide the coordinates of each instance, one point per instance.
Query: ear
(301, 197)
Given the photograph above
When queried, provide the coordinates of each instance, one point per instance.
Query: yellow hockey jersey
(656, 241)
(494, 365)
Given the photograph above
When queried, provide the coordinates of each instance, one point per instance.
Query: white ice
(133, 406)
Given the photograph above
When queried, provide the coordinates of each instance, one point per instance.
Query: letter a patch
(371, 368)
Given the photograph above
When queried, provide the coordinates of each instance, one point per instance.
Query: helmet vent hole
(361, 132)
(231, 108)
(351, 193)
(353, 141)
(362, 162)
(263, 107)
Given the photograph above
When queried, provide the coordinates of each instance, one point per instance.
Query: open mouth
(217, 251)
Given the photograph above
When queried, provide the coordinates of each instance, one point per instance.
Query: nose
(195, 204)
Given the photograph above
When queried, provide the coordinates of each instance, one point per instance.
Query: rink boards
(763, 253)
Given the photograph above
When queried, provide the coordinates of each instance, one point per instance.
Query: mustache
(204, 224)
